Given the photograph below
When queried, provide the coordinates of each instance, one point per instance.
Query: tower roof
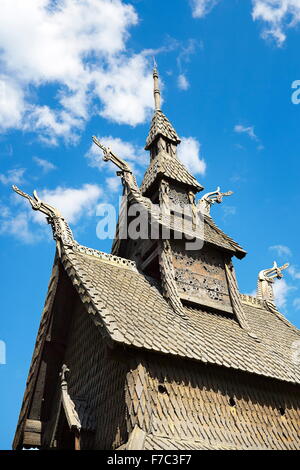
(160, 124)
(165, 165)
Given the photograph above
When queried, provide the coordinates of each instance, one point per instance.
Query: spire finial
(156, 86)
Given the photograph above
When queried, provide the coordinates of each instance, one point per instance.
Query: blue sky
(70, 69)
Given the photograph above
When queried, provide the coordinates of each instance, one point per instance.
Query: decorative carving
(250, 300)
(178, 196)
(200, 276)
(235, 297)
(63, 379)
(209, 199)
(210, 263)
(128, 179)
(123, 262)
(68, 404)
(266, 279)
(168, 278)
(191, 284)
(164, 197)
(161, 145)
(60, 228)
(62, 231)
(194, 210)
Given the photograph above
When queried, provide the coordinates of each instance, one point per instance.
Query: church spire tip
(156, 86)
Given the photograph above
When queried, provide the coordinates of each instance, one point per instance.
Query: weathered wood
(32, 433)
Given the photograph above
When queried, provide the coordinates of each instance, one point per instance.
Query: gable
(201, 277)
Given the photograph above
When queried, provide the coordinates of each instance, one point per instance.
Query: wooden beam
(32, 433)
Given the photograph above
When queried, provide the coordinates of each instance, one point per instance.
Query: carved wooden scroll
(200, 276)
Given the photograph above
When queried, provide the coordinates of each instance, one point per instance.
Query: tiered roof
(161, 125)
(165, 165)
(133, 311)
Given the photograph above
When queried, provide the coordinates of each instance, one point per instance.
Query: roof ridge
(272, 308)
(252, 300)
(106, 257)
(213, 225)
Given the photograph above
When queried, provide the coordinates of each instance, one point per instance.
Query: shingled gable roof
(212, 234)
(215, 236)
(165, 165)
(160, 125)
(129, 307)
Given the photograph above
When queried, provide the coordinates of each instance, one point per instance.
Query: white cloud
(183, 82)
(246, 130)
(293, 272)
(201, 8)
(228, 211)
(18, 226)
(53, 124)
(44, 164)
(296, 303)
(278, 16)
(73, 203)
(281, 250)
(13, 176)
(113, 183)
(11, 103)
(281, 291)
(4, 210)
(80, 47)
(186, 50)
(125, 150)
(189, 154)
(126, 90)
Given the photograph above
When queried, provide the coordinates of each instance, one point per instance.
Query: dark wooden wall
(99, 379)
(215, 405)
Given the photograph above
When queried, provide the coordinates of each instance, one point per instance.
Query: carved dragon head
(273, 273)
(37, 204)
(214, 197)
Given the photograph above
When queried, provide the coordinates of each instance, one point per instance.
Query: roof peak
(161, 126)
(156, 89)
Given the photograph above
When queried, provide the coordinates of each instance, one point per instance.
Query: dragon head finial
(60, 227)
(214, 197)
(266, 279)
(37, 204)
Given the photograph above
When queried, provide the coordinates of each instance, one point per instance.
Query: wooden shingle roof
(131, 310)
(165, 165)
(166, 443)
(160, 125)
(214, 235)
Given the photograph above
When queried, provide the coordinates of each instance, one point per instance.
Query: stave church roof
(133, 311)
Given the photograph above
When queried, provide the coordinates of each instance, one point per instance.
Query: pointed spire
(156, 87)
